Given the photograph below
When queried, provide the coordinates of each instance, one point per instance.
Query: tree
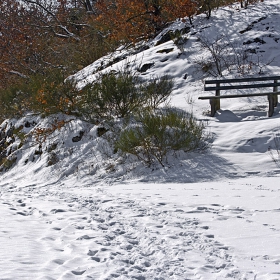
(130, 21)
(207, 6)
(245, 3)
(19, 50)
(40, 35)
(88, 5)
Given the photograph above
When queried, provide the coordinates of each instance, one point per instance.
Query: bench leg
(275, 100)
(218, 104)
(215, 105)
(271, 102)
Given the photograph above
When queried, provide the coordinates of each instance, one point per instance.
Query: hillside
(73, 209)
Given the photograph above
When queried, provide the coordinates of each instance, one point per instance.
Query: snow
(215, 230)
(212, 215)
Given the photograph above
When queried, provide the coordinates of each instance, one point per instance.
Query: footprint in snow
(54, 211)
(58, 261)
(78, 272)
(22, 213)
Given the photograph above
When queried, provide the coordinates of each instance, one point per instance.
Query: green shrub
(7, 163)
(157, 91)
(121, 95)
(156, 133)
(52, 93)
(110, 96)
(9, 103)
(46, 93)
(15, 100)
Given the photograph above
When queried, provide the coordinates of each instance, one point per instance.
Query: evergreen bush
(157, 91)
(119, 95)
(10, 103)
(112, 95)
(52, 93)
(45, 93)
(156, 133)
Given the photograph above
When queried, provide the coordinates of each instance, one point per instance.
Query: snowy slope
(95, 215)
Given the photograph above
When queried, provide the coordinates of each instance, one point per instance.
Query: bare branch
(68, 34)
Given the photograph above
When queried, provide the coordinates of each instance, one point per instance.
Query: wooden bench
(262, 82)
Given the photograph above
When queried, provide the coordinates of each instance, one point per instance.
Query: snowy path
(22, 252)
(103, 237)
(137, 232)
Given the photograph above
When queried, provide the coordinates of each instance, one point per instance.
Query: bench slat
(207, 82)
(239, 95)
(242, 86)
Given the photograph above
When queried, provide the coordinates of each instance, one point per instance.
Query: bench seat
(238, 95)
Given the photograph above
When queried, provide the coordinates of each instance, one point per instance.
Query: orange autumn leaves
(131, 21)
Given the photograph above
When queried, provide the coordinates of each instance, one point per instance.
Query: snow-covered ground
(218, 230)
(213, 215)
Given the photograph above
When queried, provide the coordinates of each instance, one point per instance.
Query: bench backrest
(218, 83)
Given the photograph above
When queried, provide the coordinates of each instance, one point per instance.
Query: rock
(101, 130)
(2, 135)
(9, 133)
(170, 35)
(51, 147)
(146, 67)
(52, 159)
(27, 124)
(79, 137)
(165, 50)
